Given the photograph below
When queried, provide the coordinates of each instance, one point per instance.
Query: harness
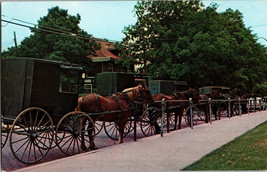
(97, 103)
(179, 95)
(114, 96)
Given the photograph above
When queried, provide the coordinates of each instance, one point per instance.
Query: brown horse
(118, 103)
(184, 95)
(214, 94)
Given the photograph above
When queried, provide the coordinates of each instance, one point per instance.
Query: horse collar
(126, 96)
(180, 95)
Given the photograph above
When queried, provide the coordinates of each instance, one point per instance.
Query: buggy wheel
(201, 115)
(4, 133)
(235, 111)
(74, 133)
(98, 127)
(31, 135)
(172, 118)
(148, 121)
(129, 126)
(4, 137)
(112, 129)
(222, 110)
(187, 116)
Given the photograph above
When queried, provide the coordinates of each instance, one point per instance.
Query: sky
(107, 19)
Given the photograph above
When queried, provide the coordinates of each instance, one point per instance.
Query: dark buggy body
(30, 82)
(36, 97)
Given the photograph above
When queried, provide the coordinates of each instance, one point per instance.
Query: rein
(179, 95)
(125, 95)
(114, 96)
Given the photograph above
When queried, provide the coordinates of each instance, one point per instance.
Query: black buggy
(36, 97)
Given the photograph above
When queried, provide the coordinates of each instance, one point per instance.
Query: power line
(6, 24)
(43, 28)
(259, 25)
(40, 26)
(52, 30)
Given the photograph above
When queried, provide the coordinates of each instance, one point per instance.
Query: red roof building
(105, 58)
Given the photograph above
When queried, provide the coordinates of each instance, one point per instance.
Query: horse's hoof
(93, 148)
(83, 147)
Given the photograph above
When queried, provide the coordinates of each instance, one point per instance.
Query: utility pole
(16, 45)
(144, 59)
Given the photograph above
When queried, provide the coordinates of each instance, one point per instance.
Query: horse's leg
(121, 132)
(206, 114)
(180, 122)
(233, 110)
(157, 127)
(214, 111)
(175, 119)
(219, 110)
(122, 122)
(91, 137)
(83, 147)
(180, 110)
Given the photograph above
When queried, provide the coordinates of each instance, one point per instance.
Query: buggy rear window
(69, 81)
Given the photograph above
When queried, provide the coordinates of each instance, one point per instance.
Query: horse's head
(203, 97)
(145, 94)
(215, 94)
(191, 93)
(195, 95)
(139, 93)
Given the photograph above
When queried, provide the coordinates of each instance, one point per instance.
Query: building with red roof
(105, 58)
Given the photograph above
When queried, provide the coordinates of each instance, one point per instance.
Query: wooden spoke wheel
(74, 132)
(4, 133)
(31, 135)
(149, 121)
(235, 110)
(172, 118)
(202, 115)
(195, 115)
(4, 137)
(112, 129)
(129, 126)
(222, 110)
(98, 127)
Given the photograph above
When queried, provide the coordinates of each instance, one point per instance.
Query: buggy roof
(217, 87)
(173, 81)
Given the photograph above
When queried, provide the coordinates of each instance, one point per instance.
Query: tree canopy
(58, 37)
(182, 40)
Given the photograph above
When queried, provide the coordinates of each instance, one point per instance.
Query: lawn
(247, 152)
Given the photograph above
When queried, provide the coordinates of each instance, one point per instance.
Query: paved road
(9, 163)
(174, 151)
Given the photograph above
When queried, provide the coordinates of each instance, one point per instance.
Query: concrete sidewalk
(172, 152)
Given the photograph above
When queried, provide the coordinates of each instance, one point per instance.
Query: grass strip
(247, 152)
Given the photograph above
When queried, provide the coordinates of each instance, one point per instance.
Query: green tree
(184, 41)
(57, 37)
